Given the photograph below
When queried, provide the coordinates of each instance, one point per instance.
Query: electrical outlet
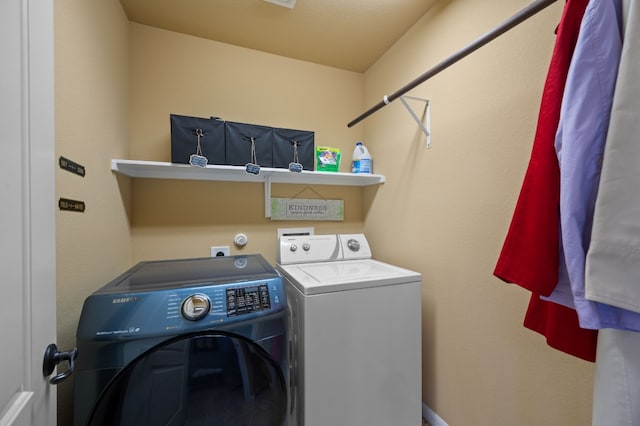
(217, 251)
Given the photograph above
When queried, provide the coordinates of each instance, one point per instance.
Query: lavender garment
(580, 141)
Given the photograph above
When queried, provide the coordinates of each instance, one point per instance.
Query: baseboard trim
(431, 417)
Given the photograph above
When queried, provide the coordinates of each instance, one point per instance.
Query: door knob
(52, 358)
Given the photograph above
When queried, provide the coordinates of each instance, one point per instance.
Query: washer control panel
(322, 248)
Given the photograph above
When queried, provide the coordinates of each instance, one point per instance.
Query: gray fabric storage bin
(283, 148)
(184, 139)
(238, 144)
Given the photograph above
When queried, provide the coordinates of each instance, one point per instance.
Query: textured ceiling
(346, 34)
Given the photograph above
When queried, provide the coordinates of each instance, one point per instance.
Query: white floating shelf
(164, 170)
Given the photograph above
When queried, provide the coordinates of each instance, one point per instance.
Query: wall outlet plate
(217, 251)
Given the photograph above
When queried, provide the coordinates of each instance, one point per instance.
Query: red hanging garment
(530, 254)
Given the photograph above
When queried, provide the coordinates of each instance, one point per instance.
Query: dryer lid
(177, 273)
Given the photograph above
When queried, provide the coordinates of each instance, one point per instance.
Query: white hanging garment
(613, 260)
(616, 390)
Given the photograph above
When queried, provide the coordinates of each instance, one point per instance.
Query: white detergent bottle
(362, 161)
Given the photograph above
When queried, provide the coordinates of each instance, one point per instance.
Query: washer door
(203, 379)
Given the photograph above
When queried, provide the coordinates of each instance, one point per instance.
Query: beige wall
(92, 115)
(175, 73)
(117, 83)
(455, 200)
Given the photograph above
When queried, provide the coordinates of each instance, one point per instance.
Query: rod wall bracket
(425, 122)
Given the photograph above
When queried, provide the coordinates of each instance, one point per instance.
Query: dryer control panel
(180, 310)
(158, 298)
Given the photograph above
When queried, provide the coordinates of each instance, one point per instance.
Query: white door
(27, 212)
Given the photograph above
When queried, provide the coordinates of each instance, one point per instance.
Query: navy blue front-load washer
(185, 342)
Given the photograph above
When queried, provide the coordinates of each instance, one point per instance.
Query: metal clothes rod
(516, 19)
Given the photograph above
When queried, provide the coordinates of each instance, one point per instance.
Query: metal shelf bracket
(425, 122)
(267, 197)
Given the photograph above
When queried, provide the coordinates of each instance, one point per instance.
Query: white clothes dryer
(355, 330)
